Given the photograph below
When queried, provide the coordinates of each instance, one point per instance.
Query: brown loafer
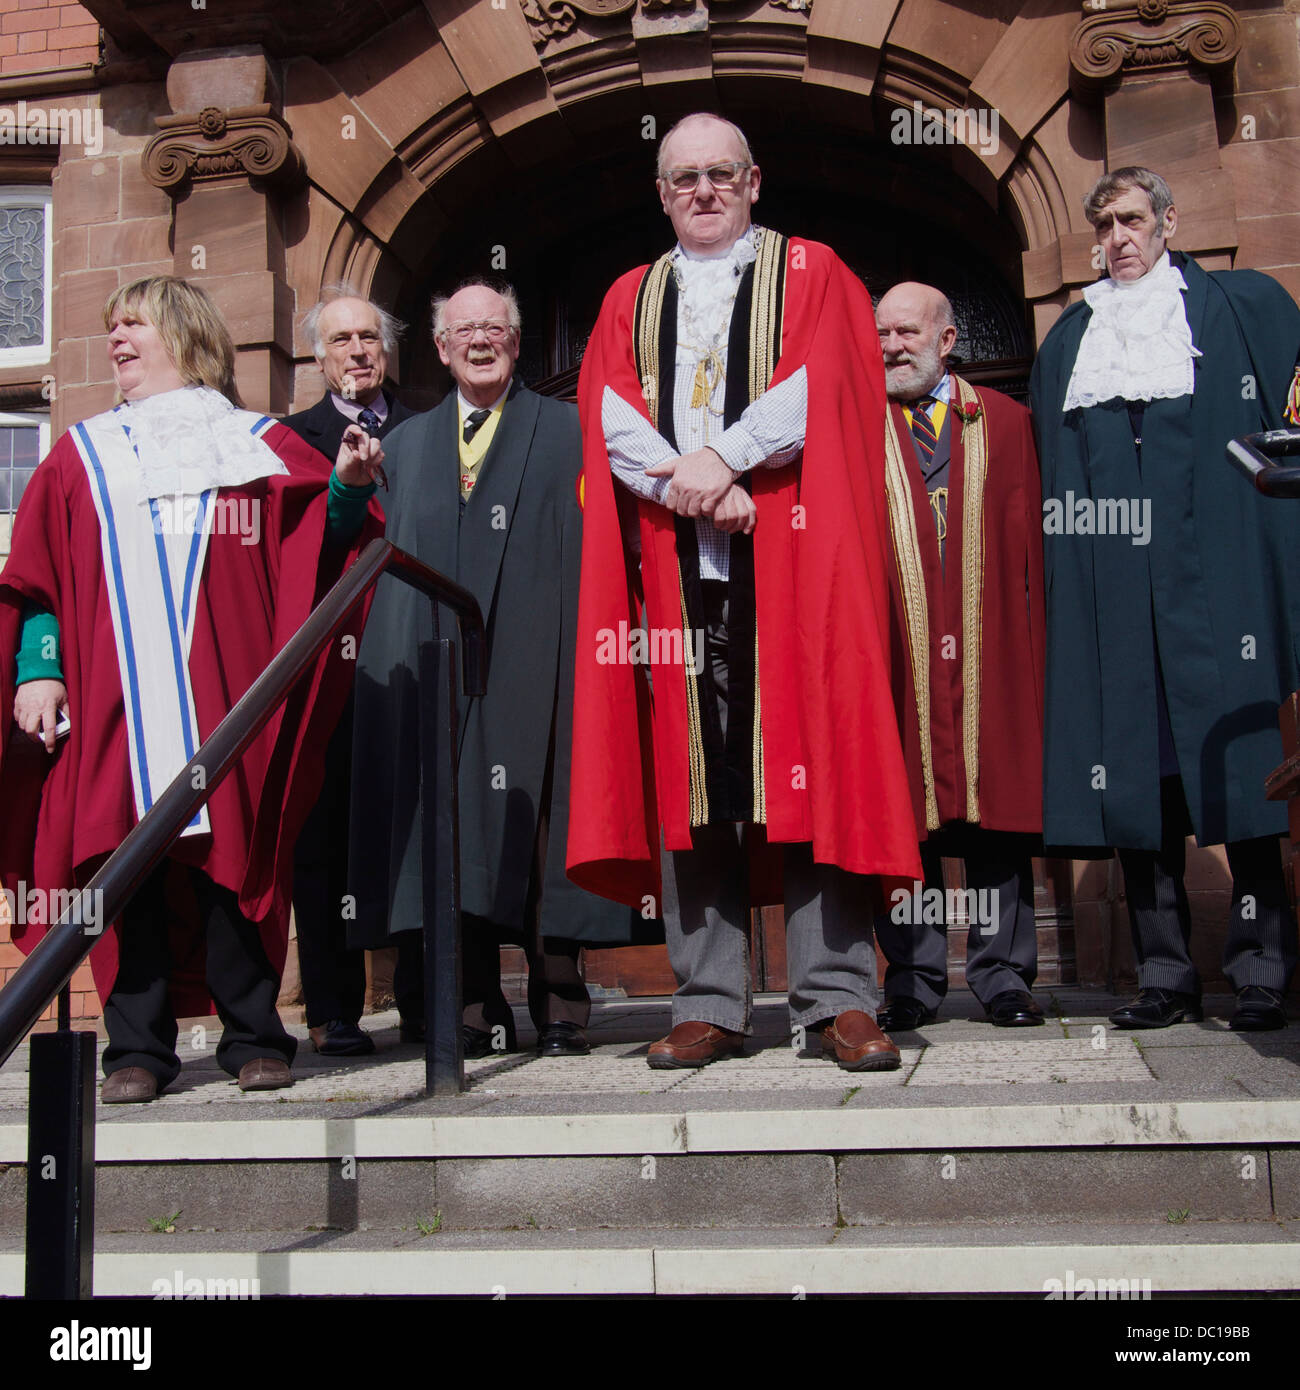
(129, 1085)
(264, 1074)
(857, 1044)
(694, 1044)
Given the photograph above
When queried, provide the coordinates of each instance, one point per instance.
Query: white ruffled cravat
(193, 439)
(708, 289)
(1137, 345)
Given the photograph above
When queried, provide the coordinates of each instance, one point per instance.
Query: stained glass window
(25, 247)
(22, 277)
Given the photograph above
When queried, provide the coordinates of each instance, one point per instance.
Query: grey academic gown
(516, 545)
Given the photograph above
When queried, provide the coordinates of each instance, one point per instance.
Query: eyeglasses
(494, 329)
(722, 176)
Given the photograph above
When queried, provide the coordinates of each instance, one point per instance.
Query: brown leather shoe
(128, 1085)
(694, 1044)
(857, 1044)
(264, 1074)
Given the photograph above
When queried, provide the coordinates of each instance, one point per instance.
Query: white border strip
(1258, 1122)
(885, 1269)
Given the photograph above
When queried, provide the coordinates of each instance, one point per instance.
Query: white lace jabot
(708, 287)
(1137, 345)
(193, 439)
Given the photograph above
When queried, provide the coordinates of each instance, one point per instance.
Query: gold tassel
(701, 391)
(939, 505)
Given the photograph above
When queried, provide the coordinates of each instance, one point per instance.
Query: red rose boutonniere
(970, 412)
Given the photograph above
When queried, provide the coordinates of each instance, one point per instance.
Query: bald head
(693, 124)
(916, 335)
(709, 211)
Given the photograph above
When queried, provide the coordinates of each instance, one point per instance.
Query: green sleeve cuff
(38, 646)
(346, 508)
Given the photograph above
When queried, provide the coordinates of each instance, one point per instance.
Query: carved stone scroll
(212, 144)
(552, 19)
(1149, 36)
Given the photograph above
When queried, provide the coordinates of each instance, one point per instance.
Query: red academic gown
(992, 591)
(61, 815)
(832, 763)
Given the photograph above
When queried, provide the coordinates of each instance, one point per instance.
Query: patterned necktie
(472, 422)
(922, 429)
(370, 422)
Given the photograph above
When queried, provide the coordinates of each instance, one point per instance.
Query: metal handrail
(1256, 455)
(61, 1084)
(51, 964)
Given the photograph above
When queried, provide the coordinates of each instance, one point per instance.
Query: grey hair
(390, 328)
(661, 167)
(1118, 181)
(487, 282)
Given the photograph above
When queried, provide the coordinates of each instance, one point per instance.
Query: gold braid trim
(645, 335)
(766, 316)
(975, 443)
(907, 553)
(765, 312)
(694, 732)
(646, 325)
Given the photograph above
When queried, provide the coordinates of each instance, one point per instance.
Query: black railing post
(444, 1060)
(61, 1161)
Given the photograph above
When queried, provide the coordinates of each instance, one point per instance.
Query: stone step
(1063, 1262)
(1186, 1163)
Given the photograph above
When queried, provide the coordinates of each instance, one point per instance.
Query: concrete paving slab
(1176, 1185)
(956, 1062)
(639, 1190)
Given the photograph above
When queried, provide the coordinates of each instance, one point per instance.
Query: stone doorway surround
(266, 154)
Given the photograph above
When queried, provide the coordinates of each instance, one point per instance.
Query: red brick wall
(37, 34)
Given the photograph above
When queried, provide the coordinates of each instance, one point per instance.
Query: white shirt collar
(467, 406)
(941, 392)
(743, 249)
(352, 409)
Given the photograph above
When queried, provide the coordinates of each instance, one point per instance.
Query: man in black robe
(353, 340)
(484, 490)
(1173, 594)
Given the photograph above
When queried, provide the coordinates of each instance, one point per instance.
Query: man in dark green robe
(1173, 594)
(484, 490)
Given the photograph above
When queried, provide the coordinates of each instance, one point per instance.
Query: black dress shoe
(477, 1042)
(1259, 1010)
(563, 1040)
(1158, 1008)
(1013, 1008)
(902, 1014)
(338, 1038)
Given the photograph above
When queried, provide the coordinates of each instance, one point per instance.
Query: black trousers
(138, 1015)
(1001, 954)
(1261, 944)
(333, 977)
(557, 992)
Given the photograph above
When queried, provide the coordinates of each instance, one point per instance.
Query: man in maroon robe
(966, 518)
